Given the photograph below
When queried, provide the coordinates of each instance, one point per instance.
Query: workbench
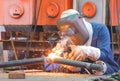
(47, 76)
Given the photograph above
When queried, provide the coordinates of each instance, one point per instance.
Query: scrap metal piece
(16, 75)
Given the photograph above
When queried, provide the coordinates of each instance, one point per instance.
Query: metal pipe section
(52, 60)
(92, 66)
(21, 62)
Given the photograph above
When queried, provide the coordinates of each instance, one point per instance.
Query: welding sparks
(59, 49)
(52, 55)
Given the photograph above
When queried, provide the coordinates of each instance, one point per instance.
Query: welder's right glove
(80, 53)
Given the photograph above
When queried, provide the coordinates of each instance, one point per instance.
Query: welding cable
(37, 15)
(87, 71)
(35, 20)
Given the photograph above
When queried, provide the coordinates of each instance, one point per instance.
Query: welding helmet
(71, 24)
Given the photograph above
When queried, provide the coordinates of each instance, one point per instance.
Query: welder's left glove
(80, 53)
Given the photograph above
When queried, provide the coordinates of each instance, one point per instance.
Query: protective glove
(76, 54)
(92, 53)
(80, 53)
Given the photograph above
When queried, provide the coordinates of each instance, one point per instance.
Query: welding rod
(93, 66)
(21, 62)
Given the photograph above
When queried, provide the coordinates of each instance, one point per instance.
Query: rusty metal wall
(30, 12)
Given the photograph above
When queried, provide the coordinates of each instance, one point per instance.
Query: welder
(88, 41)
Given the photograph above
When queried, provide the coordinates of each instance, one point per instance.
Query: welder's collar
(90, 31)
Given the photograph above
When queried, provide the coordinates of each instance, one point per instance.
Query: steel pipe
(21, 62)
(92, 66)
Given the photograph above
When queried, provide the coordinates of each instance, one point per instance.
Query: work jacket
(101, 40)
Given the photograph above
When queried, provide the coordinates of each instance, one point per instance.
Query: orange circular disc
(89, 9)
(52, 9)
(16, 10)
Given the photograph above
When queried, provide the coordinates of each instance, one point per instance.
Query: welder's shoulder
(99, 27)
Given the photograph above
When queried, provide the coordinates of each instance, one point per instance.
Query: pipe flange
(97, 72)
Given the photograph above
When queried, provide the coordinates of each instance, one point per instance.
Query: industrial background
(28, 27)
